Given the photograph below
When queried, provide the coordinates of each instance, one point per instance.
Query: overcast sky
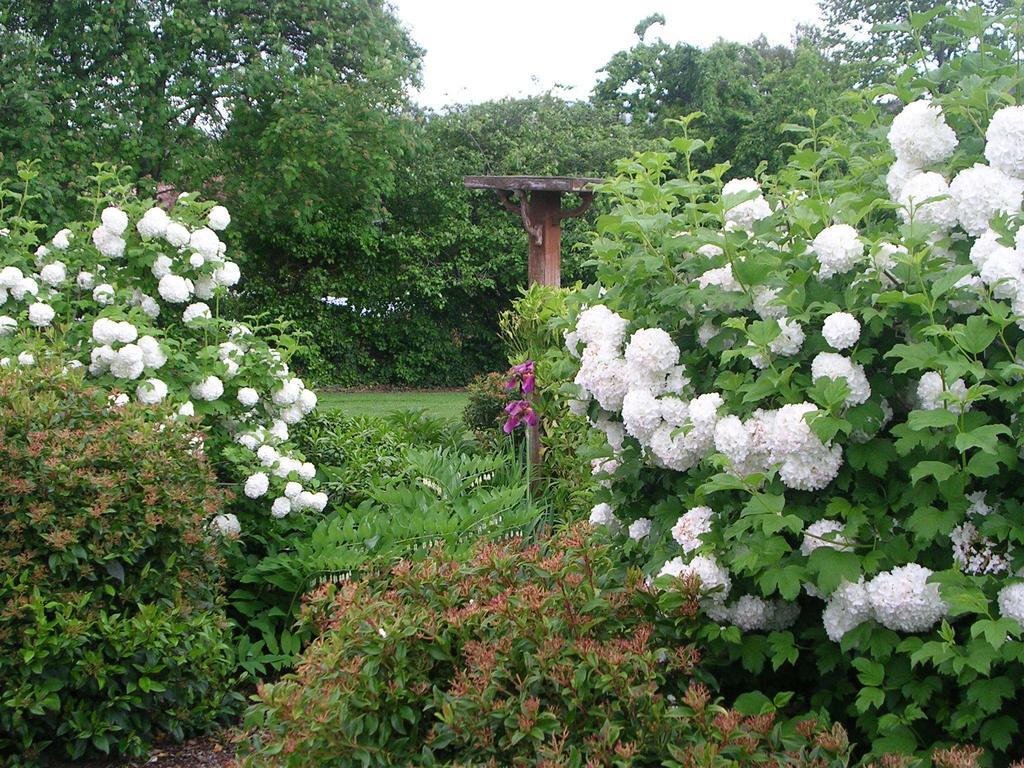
(479, 50)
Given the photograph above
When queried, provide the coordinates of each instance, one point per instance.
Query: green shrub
(485, 411)
(352, 452)
(425, 497)
(111, 625)
(528, 654)
(811, 386)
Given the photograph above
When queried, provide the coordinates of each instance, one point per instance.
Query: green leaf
(985, 438)
(937, 469)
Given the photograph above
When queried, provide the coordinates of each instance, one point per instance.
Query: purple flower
(519, 411)
(522, 376)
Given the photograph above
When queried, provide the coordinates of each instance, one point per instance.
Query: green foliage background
(298, 116)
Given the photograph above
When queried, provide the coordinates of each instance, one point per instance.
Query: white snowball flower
(307, 401)
(652, 351)
(743, 215)
(114, 219)
(54, 274)
(930, 391)
(841, 330)
(196, 311)
(899, 174)
(1011, 602)
(177, 234)
(292, 489)
(602, 514)
(640, 528)
(151, 392)
(103, 294)
(187, 410)
(256, 485)
(101, 358)
(809, 471)
(152, 356)
(267, 455)
(204, 287)
(40, 314)
(209, 389)
(227, 274)
(281, 507)
(766, 303)
(903, 600)
(721, 277)
(196, 260)
(824, 533)
(62, 240)
(714, 579)
(790, 339)
(119, 401)
(161, 266)
(307, 471)
(219, 218)
(980, 193)
(108, 243)
(732, 439)
(288, 393)
(1003, 272)
(831, 365)
(8, 325)
(847, 608)
(124, 332)
(26, 359)
(599, 326)
(838, 249)
(153, 223)
(248, 397)
(941, 213)
(641, 414)
(25, 287)
(174, 289)
(206, 242)
(85, 280)
(751, 613)
(278, 429)
(128, 363)
(149, 307)
(227, 526)
(10, 277)
(1004, 141)
(919, 135)
(691, 526)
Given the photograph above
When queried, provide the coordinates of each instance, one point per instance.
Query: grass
(445, 404)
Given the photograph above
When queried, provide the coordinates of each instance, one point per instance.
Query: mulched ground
(208, 752)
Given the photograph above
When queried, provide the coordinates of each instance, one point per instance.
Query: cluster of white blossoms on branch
(132, 305)
(901, 599)
(632, 383)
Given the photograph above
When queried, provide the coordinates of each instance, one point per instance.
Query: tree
(877, 38)
(155, 84)
(744, 90)
(425, 284)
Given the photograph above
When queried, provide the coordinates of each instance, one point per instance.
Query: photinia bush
(810, 386)
(526, 654)
(112, 625)
(134, 297)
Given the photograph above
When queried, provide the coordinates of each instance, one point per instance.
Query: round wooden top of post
(532, 183)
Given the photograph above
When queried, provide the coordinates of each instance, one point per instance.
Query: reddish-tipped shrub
(111, 627)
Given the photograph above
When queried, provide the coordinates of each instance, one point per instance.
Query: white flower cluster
(920, 138)
(743, 215)
(974, 553)
(112, 310)
(900, 599)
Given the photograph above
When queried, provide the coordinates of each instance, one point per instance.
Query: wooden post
(539, 206)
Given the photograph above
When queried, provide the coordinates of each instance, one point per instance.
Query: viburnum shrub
(528, 654)
(810, 385)
(134, 298)
(112, 628)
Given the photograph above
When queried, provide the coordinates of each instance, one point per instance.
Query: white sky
(478, 50)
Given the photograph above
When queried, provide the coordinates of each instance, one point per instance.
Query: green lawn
(446, 404)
